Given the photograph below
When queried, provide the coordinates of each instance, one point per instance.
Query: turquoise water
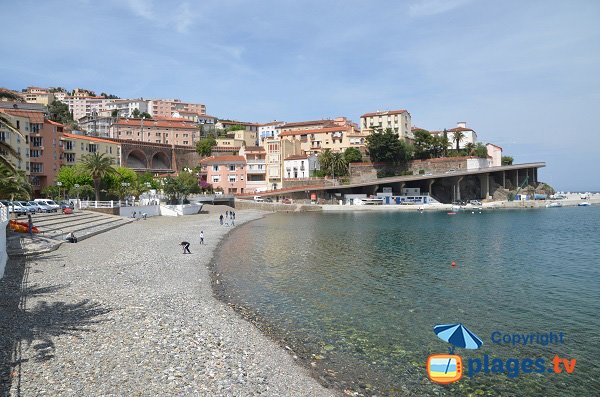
(356, 294)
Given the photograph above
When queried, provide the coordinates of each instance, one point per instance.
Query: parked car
(451, 170)
(65, 204)
(268, 200)
(49, 203)
(42, 207)
(286, 201)
(16, 208)
(475, 202)
(258, 199)
(30, 208)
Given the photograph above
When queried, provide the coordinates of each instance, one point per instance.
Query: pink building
(495, 152)
(169, 131)
(166, 107)
(225, 172)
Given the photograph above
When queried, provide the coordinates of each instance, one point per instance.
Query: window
(216, 179)
(185, 142)
(231, 167)
(232, 178)
(215, 168)
(18, 124)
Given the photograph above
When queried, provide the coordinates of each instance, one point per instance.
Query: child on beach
(186, 247)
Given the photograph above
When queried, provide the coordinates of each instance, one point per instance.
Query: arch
(160, 161)
(136, 159)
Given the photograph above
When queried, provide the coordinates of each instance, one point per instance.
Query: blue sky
(524, 75)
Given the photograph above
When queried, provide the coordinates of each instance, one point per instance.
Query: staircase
(83, 224)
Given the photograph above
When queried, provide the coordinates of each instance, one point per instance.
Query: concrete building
(495, 154)
(256, 169)
(269, 130)
(337, 139)
(276, 151)
(76, 146)
(225, 172)
(296, 167)
(227, 124)
(125, 107)
(96, 125)
(40, 151)
(171, 131)
(166, 107)
(398, 121)
(38, 95)
(81, 106)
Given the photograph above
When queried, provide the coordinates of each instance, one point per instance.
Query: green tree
(10, 95)
(386, 147)
(136, 113)
(98, 165)
(423, 143)
(236, 127)
(204, 146)
(59, 112)
(456, 137)
(439, 146)
(339, 164)
(73, 175)
(352, 155)
(14, 183)
(114, 113)
(480, 150)
(507, 160)
(325, 160)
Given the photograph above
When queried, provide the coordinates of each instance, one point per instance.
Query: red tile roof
(254, 149)
(33, 116)
(297, 157)
(180, 124)
(54, 123)
(316, 131)
(223, 159)
(457, 129)
(88, 138)
(385, 113)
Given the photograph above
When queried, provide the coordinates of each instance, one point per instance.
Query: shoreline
(126, 313)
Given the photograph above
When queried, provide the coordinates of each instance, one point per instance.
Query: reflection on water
(362, 291)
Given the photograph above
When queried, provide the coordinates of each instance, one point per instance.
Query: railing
(3, 213)
(105, 204)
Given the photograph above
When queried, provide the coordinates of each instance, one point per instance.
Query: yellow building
(77, 146)
(337, 139)
(19, 120)
(398, 121)
(38, 95)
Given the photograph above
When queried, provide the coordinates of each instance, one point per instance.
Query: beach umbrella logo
(448, 368)
(458, 336)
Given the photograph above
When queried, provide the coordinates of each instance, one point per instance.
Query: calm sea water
(357, 294)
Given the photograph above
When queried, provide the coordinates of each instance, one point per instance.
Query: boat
(372, 201)
(553, 205)
(584, 204)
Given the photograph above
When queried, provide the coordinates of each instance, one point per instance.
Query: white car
(259, 199)
(55, 207)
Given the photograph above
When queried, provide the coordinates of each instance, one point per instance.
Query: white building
(269, 130)
(85, 106)
(125, 107)
(468, 135)
(299, 166)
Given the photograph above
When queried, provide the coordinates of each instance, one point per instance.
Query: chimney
(461, 124)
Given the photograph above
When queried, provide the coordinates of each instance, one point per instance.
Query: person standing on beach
(233, 215)
(221, 219)
(202, 237)
(30, 225)
(226, 214)
(186, 247)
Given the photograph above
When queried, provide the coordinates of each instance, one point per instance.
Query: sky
(524, 75)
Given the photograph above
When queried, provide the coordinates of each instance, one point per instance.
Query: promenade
(125, 313)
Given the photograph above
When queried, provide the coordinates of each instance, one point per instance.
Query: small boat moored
(584, 204)
(553, 205)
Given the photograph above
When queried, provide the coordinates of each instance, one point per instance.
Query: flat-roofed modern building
(399, 121)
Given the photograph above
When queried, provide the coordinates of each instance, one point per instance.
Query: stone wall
(440, 165)
(288, 183)
(275, 207)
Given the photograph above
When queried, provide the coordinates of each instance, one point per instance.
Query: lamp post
(59, 184)
(125, 186)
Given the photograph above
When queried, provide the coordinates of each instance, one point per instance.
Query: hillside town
(165, 136)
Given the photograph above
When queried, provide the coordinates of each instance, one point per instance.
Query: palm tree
(14, 183)
(98, 165)
(470, 148)
(458, 135)
(339, 164)
(325, 159)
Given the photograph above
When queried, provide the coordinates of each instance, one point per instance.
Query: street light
(59, 184)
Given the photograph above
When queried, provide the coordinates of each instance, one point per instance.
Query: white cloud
(423, 8)
(164, 14)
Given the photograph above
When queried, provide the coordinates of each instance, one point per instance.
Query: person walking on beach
(202, 237)
(226, 214)
(186, 247)
(233, 213)
(221, 219)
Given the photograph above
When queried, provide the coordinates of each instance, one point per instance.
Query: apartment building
(40, 150)
(170, 131)
(256, 169)
(269, 130)
(337, 139)
(81, 106)
(225, 172)
(166, 107)
(96, 125)
(398, 121)
(276, 151)
(38, 95)
(125, 107)
(76, 146)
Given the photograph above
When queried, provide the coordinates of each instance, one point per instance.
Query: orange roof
(384, 113)
(458, 129)
(297, 157)
(88, 138)
(254, 149)
(53, 123)
(32, 115)
(223, 159)
(315, 131)
(156, 123)
(491, 144)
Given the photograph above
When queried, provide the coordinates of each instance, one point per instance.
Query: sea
(355, 297)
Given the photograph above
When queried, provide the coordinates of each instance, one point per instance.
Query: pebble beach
(125, 313)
